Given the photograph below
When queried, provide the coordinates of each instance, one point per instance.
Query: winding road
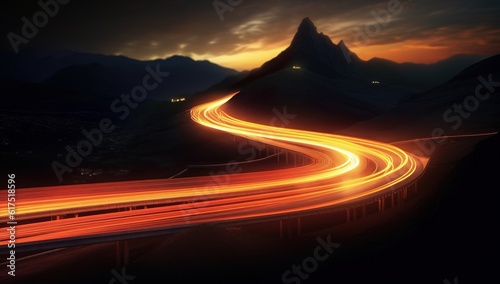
(339, 170)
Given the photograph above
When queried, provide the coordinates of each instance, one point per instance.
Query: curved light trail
(340, 162)
(339, 171)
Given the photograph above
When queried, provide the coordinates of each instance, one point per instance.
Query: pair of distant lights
(178, 100)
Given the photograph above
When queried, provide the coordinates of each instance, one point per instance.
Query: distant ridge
(316, 52)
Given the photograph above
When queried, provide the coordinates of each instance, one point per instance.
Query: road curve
(339, 170)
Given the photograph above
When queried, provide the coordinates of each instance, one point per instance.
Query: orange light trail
(340, 170)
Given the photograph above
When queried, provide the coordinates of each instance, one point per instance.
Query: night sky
(255, 31)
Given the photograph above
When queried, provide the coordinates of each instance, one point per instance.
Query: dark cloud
(143, 29)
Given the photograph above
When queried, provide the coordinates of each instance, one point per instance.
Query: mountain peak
(309, 41)
(314, 52)
(306, 32)
(307, 26)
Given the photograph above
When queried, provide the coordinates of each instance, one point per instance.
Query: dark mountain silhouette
(321, 81)
(317, 53)
(314, 80)
(417, 76)
(468, 103)
(38, 67)
(186, 76)
(112, 75)
(312, 51)
(315, 100)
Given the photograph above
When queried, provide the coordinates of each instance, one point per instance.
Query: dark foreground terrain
(444, 232)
